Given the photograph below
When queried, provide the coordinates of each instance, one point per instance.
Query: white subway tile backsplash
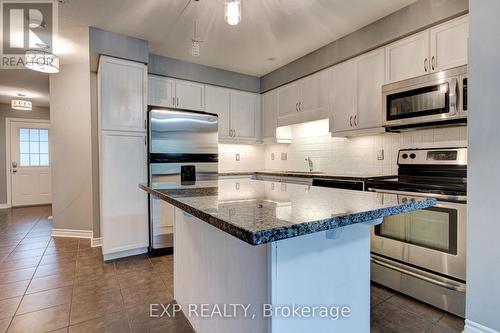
(356, 155)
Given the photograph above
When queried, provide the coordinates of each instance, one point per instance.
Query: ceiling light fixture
(21, 104)
(195, 43)
(232, 11)
(42, 61)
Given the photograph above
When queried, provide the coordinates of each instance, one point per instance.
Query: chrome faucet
(310, 162)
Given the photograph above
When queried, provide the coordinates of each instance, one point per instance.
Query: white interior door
(30, 164)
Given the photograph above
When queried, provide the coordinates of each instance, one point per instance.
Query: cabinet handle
(296, 106)
(300, 106)
(234, 133)
(355, 120)
(425, 65)
(173, 101)
(350, 121)
(177, 101)
(432, 62)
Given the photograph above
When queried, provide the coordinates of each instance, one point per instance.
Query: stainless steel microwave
(426, 101)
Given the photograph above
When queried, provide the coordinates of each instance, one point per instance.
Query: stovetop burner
(432, 171)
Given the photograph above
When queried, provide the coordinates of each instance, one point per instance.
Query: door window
(33, 147)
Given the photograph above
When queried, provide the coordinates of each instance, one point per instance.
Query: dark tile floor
(62, 285)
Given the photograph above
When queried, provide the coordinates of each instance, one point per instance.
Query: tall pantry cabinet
(122, 100)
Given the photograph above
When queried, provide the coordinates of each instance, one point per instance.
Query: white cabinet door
(449, 44)
(288, 99)
(408, 57)
(161, 91)
(269, 111)
(370, 75)
(189, 95)
(124, 208)
(243, 115)
(218, 101)
(314, 94)
(122, 94)
(343, 96)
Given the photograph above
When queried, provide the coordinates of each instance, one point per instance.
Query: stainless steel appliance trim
(446, 283)
(425, 81)
(454, 198)
(420, 157)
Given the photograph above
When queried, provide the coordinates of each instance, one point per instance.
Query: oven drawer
(443, 293)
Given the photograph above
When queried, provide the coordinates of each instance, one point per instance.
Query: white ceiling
(281, 29)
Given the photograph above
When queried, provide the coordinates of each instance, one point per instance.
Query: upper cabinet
(303, 100)
(218, 101)
(122, 95)
(161, 91)
(439, 48)
(239, 114)
(269, 115)
(449, 44)
(355, 94)
(173, 93)
(408, 57)
(189, 95)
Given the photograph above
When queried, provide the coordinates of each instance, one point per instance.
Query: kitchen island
(258, 256)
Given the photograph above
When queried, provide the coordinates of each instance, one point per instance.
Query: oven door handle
(456, 198)
(460, 287)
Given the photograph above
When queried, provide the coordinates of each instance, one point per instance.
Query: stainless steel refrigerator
(183, 147)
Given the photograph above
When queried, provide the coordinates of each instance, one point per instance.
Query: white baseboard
(473, 327)
(126, 253)
(72, 233)
(4, 206)
(96, 242)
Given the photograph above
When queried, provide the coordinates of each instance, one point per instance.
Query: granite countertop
(303, 174)
(259, 212)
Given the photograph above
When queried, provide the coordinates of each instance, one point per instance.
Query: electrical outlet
(380, 154)
(237, 157)
(284, 156)
(272, 156)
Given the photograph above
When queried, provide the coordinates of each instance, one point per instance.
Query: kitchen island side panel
(326, 269)
(212, 267)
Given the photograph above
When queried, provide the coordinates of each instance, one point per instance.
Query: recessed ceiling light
(271, 58)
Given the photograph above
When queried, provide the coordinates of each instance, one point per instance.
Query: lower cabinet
(124, 206)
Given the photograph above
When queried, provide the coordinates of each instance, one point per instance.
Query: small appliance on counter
(183, 148)
(423, 253)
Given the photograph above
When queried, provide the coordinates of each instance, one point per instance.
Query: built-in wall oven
(430, 100)
(423, 253)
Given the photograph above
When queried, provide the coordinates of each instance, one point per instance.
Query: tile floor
(62, 285)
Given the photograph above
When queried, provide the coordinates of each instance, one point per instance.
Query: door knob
(14, 164)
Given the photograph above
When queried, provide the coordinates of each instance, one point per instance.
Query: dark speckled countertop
(259, 212)
(302, 174)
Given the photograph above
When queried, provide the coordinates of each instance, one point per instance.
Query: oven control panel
(433, 156)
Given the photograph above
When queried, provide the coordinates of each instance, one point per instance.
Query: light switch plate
(380, 154)
(284, 156)
(237, 157)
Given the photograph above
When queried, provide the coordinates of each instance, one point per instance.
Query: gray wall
(7, 112)
(179, 69)
(116, 45)
(406, 21)
(483, 234)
